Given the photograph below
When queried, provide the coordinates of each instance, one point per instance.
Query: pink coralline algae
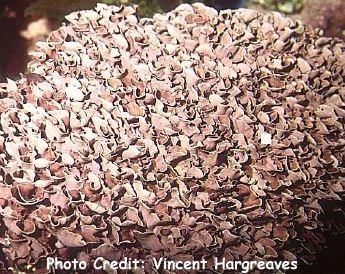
(141, 138)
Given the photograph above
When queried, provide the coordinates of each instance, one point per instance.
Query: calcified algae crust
(142, 139)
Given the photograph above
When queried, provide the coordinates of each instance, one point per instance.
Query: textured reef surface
(140, 137)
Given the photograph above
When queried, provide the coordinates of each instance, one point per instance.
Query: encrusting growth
(141, 138)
